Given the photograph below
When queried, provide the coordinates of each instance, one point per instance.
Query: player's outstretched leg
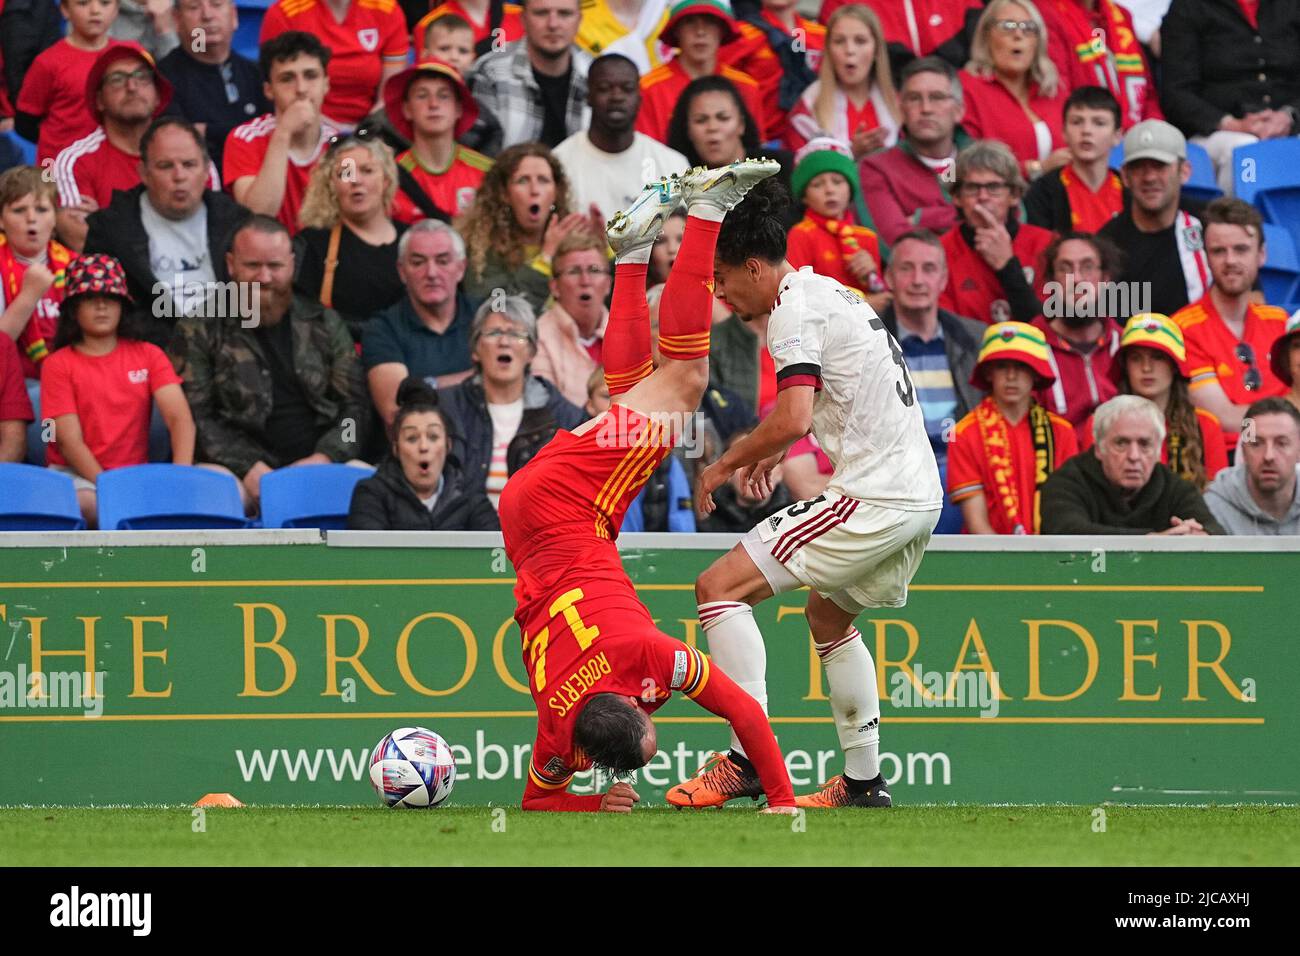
(686, 308)
(632, 234)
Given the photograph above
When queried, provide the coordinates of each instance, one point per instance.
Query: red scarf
(11, 279)
(846, 233)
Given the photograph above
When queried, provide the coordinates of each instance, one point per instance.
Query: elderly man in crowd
(427, 332)
(570, 333)
(171, 229)
(280, 387)
(1119, 486)
(1258, 494)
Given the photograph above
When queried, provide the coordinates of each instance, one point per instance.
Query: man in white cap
(1163, 245)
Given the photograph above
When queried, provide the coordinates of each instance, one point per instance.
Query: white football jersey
(866, 414)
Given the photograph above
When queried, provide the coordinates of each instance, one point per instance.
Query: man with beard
(282, 387)
(606, 161)
(1081, 337)
(1162, 244)
(537, 86)
(1228, 336)
(124, 92)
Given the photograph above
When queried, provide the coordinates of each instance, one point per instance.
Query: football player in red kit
(596, 664)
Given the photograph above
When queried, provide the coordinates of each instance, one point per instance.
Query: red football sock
(626, 349)
(686, 308)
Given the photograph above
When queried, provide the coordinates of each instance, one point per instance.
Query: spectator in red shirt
(995, 263)
(1013, 91)
(1151, 363)
(909, 186)
(15, 406)
(367, 45)
(125, 93)
(99, 386)
(269, 160)
(31, 265)
(1080, 324)
(1229, 336)
(853, 98)
(491, 22)
(51, 107)
(918, 28)
(782, 51)
(1086, 193)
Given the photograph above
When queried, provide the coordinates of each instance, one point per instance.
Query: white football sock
(640, 256)
(736, 645)
(855, 703)
(702, 209)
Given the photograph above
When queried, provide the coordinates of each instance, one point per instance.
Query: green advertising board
(268, 664)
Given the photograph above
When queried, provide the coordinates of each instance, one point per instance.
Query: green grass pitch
(482, 836)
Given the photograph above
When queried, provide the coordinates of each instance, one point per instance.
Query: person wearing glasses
(995, 262)
(1013, 90)
(215, 87)
(910, 186)
(1229, 336)
(503, 414)
(570, 333)
(125, 94)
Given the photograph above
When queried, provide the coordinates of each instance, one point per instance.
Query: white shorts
(855, 553)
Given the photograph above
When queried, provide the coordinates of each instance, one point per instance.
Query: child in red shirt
(32, 264)
(1005, 449)
(53, 95)
(825, 180)
(99, 389)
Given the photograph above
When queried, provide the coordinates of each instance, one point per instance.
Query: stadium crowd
(417, 192)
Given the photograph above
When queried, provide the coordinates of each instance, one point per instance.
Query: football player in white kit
(841, 375)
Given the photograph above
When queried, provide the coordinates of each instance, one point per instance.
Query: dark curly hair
(756, 228)
(610, 732)
(679, 137)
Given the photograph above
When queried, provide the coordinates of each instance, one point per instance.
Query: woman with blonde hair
(346, 253)
(522, 211)
(1012, 90)
(853, 99)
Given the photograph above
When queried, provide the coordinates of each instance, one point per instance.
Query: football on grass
(412, 767)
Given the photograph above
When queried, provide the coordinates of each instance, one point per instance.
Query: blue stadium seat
(1280, 275)
(1267, 174)
(251, 13)
(37, 499)
(309, 496)
(168, 496)
(15, 146)
(1200, 185)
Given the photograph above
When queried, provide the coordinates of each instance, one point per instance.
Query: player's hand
(992, 241)
(37, 280)
(619, 798)
(781, 811)
(711, 479)
(757, 478)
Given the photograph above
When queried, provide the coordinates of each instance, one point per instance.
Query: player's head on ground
(750, 255)
(615, 733)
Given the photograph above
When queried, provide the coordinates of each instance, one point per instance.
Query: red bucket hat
(397, 86)
(122, 51)
(719, 10)
(95, 274)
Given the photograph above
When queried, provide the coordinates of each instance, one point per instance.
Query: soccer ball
(413, 768)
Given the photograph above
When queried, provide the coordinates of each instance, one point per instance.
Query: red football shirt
(1089, 210)
(55, 90)
(246, 148)
(93, 167)
(371, 33)
(452, 190)
(810, 243)
(970, 470)
(14, 403)
(37, 336)
(663, 86)
(973, 289)
(511, 26)
(111, 395)
(584, 629)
